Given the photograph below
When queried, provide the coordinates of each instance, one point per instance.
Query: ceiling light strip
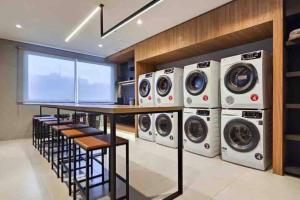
(82, 23)
(127, 19)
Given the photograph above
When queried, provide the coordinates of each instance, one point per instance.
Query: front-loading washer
(168, 87)
(201, 82)
(247, 137)
(246, 81)
(146, 127)
(146, 89)
(166, 129)
(201, 129)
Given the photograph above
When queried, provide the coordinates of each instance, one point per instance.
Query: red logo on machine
(170, 98)
(149, 97)
(254, 97)
(205, 97)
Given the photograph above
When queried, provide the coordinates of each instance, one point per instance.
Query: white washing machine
(247, 137)
(168, 87)
(146, 127)
(166, 129)
(202, 85)
(246, 81)
(146, 89)
(202, 131)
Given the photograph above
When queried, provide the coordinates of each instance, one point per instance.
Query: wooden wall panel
(232, 17)
(278, 89)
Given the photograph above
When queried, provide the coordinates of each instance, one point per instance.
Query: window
(95, 82)
(49, 78)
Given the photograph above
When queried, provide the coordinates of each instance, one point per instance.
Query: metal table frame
(112, 152)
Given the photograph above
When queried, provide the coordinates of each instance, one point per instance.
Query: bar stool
(56, 131)
(93, 121)
(39, 131)
(34, 125)
(90, 144)
(46, 134)
(79, 118)
(70, 135)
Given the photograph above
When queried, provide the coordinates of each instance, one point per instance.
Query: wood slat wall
(233, 17)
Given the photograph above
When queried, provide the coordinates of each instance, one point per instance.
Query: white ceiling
(49, 22)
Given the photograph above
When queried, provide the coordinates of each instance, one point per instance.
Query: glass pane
(95, 82)
(49, 79)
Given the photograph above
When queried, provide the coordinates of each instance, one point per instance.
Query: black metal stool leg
(52, 148)
(70, 167)
(102, 167)
(127, 171)
(48, 147)
(62, 158)
(58, 153)
(87, 184)
(74, 171)
(92, 166)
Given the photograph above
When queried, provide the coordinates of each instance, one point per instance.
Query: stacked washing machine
(246, 98)
(162, 88)
(201, 116)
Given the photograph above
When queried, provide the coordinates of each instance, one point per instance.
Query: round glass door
(144, 88)
(163, 125)
(196, 82)
(241, 135)
(163, 86)
(144, 122)
(240, 78)
(195, 129)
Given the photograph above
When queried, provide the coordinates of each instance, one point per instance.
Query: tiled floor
(25, 175)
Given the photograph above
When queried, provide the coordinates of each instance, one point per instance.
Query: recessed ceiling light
(139, 22)
(18, 26)
(100, 45)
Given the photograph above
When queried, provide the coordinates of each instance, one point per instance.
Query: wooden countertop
(109, 108)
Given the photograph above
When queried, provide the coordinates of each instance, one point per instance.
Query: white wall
(15, 120)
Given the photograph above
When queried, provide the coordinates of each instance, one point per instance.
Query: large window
(49, 78)
(95, 82)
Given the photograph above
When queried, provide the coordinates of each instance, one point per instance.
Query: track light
(126, 20)
(82, 23)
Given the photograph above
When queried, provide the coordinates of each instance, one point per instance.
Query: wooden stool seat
(43, 117)
(98, 142)
(54, 122)
(68, 126)
(46, 119)
(75, 133)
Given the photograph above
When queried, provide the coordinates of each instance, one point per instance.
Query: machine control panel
(251, 56)
(252, 114)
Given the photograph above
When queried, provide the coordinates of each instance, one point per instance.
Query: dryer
(166, 129)
(201, 129)
(202, 85)
(168, 87)
(146, 89)
(146, 127)
(247, 137)
(246, 81)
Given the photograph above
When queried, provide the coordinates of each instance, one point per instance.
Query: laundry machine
(201, 129)
(201, 82)
(246, 137)
(246, 81)
(146, 127)
(146, 89)
(166, 129)
(168, 87)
